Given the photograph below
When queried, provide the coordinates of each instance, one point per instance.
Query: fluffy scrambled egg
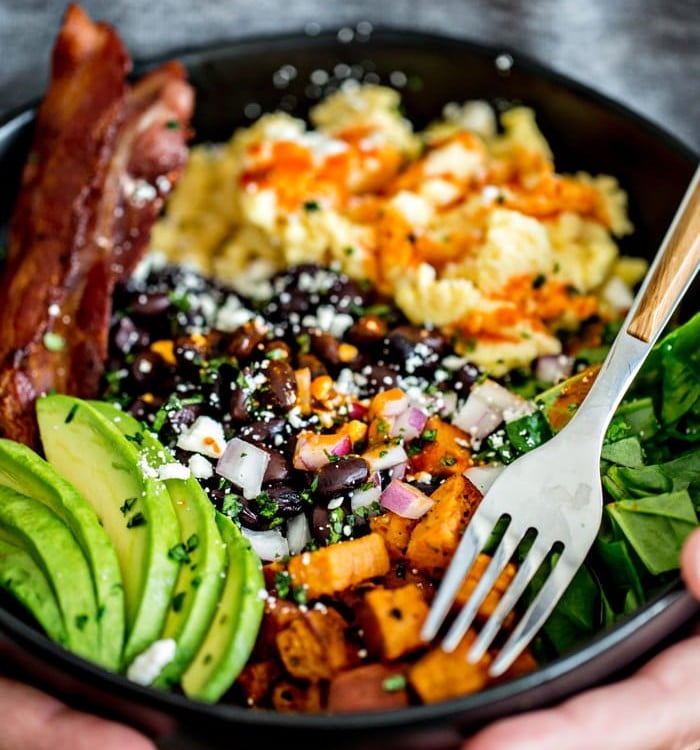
(466, 224)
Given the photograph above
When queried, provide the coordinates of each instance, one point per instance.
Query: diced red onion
(405, 500)
(314, 450)
(487, 405)
(356, 410)
(298, 533)
(409, 423)
(477, 418)
(364, 497)
(268, 545)
(392, 407)
(398, 471)
(552, 368)
(500, 398)
(384, 457)
(244, 464)
(483, 476)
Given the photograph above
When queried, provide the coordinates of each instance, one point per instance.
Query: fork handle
(671, 273)
(670, 276)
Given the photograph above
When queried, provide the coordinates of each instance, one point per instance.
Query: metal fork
(554, 492)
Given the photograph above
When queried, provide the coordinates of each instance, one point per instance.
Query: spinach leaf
(656, 527)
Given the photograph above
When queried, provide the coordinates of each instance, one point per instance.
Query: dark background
(644, 53)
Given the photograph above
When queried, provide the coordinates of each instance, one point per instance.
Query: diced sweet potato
(391, 620)
(256, 680)
(493, 597)
(314, 647)
(395, 530)
(332, 569)
(297, 698)
(371, 687)
(302, 653)
(439, 675)
(447, 453)
(434, 539)
(330, 627)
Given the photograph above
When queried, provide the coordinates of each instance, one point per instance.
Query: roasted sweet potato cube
(434, 539)
(371, 687)
(391, 620)
(330, 627)
(395, 530)
(293, 697)
(447, 453)
(256, 680)
(494, 595)
(334, 568)
(439, 675)
(314, 647)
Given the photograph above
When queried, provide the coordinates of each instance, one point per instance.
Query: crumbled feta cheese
(205, 436)
(148, 665)
(173, 470)
(200, 467)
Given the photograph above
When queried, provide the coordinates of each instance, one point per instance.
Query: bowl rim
(668, 611)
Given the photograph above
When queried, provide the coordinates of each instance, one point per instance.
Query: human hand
(35, 721)
(654, 709)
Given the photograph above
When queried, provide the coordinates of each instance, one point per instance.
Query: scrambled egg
(466, 224)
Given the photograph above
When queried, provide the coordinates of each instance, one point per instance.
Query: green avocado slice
(134, 508)
(30, 525)
(24, 471)
(24, 579)
(234, 630)
(201, 551)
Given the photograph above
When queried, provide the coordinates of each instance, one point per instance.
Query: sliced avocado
(134, 508)
(201, 551)
(234, 629)
(24, 579)
(37, 530)
(26, 472)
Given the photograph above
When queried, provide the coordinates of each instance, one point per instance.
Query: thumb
(690, 563)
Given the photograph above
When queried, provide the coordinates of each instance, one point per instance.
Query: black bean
(338, 477)
(326, 347)
(320, 529)
(278, 467)
(127, 336)
(379, 378)
(263, 431)
(413, 343)
(316, 367)
(465, 378)
(282, 392)
(289, 500)
(369, 329)
(155, 303)
(244, 340)
(147, 367)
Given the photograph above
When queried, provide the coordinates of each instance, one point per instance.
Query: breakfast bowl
(234, 84)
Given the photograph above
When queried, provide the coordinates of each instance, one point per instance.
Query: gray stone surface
(644, 53)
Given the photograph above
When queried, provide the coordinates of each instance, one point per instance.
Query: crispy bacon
(105, 155)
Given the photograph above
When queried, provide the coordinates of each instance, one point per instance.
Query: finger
(690, 563)
(40, 722)
(617, 715)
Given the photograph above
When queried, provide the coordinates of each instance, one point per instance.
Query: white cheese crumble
(205, 436)
(148, 665)
(173, 470)
(200, 467)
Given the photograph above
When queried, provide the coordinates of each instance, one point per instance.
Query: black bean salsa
(184, 347)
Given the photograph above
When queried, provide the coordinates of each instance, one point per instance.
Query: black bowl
(587, 132)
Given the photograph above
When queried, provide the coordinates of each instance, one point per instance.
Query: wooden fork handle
(672, 272)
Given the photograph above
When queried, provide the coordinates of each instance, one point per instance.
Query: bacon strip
(105, 155)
